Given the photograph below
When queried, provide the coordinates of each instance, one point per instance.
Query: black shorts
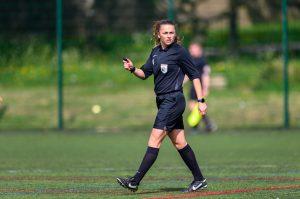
(170, 109)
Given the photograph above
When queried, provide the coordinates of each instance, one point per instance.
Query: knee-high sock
(206, 120)
(188, 156)
(148, 160)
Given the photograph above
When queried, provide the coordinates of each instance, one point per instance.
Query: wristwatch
(132, 69)
(202, 100)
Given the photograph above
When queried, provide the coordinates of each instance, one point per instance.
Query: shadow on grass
(165, 190)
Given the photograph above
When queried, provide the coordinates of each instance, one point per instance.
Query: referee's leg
(155, 140)
(187, 154)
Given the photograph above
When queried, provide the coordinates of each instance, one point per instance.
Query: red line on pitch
(274, 178)
(227, 192)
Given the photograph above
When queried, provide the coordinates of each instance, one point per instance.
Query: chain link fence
(242, 44)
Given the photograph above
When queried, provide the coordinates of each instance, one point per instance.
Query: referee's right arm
(128, 65)
(139, 73)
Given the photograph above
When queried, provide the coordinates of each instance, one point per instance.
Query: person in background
(196, 52)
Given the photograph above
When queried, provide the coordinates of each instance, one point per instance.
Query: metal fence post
(59, 62)
(171, 10)
(285, 63)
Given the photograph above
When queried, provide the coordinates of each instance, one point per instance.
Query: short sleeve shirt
(169, 66)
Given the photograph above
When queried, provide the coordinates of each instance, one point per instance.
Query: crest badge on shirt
(164, 68)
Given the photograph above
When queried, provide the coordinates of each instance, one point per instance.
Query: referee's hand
(127, 64)
(202, 108)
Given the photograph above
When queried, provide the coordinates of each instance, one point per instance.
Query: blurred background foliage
(242, 42)
(97, 32)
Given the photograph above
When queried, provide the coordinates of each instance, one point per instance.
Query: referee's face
(166, 34)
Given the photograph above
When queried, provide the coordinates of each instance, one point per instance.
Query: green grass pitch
(237, 164)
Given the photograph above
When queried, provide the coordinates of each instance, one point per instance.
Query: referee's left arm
(193, 74)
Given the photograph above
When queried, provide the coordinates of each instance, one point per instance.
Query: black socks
(149, 159)
(188, 156)
(186, 153)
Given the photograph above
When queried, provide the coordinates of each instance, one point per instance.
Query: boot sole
(123, 185)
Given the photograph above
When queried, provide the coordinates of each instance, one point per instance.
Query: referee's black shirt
(169, 67)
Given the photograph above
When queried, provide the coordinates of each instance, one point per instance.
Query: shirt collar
(167, 48)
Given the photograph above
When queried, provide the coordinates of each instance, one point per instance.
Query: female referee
(168, 62)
